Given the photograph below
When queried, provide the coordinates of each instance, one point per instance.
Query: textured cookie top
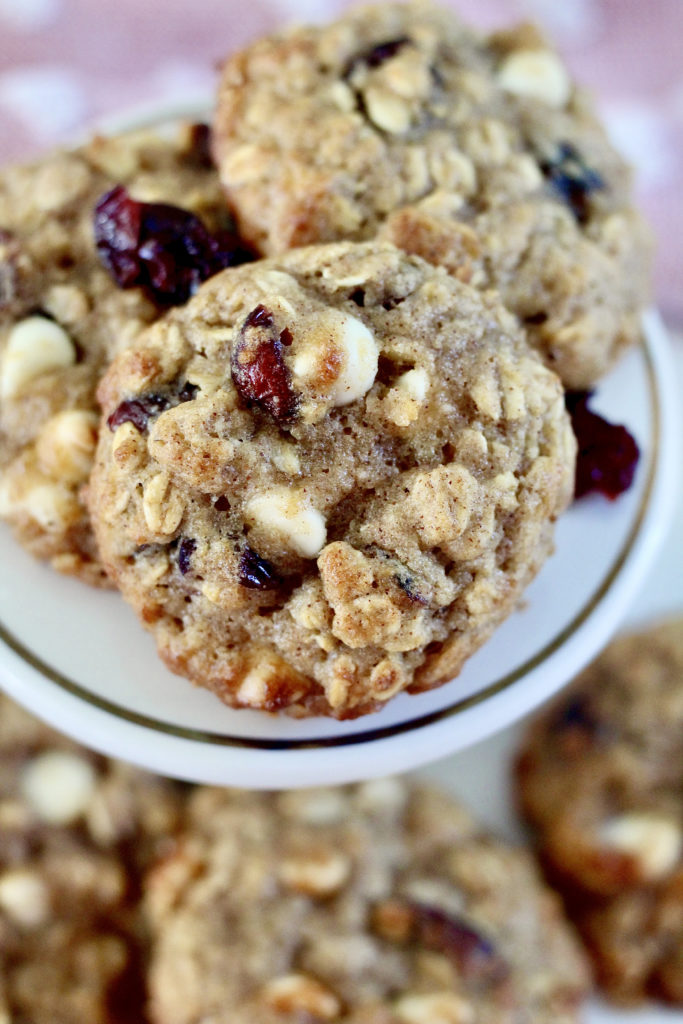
(321, 133)
(601, 779)
(328, 477)
(75, 832)
(63, 316)
(377, 904)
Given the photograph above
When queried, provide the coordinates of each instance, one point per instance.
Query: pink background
(66, 63)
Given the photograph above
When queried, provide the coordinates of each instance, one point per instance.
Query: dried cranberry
(375, 57)
(258, 367)
(576, 713)
(186, 549)
(138, 411)
(572, 179)
(409, 588)
(607, 455)
(162, 248)
(471, 953)
(255, 573)
(188, 392)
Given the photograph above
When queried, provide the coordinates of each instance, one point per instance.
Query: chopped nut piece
(322, 873)
(301, 994)
(435, 1008)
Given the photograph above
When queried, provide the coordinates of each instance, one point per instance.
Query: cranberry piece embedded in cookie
(258, 368)
(162, 248)
(572, 180)
(117, 235)
(577, 726)
(186, 549)
(472, 953)
(255, 573)
(384, 51)
(138, 411)
(409, 588)
(607, 453)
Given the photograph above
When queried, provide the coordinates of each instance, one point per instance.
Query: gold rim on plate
(411, 724)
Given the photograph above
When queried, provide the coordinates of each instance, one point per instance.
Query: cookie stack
(330, 445)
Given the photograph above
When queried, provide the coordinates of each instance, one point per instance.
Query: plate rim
(658, 490)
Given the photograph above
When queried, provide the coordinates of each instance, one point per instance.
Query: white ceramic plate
(79, 659)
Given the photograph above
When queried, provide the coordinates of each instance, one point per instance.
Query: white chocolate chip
(434, 1008)
(303, 996)
(320, 874)
(51, 505)
(162, 505)
(285, 459)
(538, 74)
(340, 356)
(24, 897)
(58, 786)
(655, 842)
(415, 383)
(66, 445)
(35, 346)
(289, 515)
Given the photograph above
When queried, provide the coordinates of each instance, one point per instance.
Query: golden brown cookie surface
(63, 317)
(480, 151)
(328, 477)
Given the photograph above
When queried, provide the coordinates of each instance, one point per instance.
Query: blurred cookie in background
(76, 830)
(382, 903)
(601, 781)
(477, 152)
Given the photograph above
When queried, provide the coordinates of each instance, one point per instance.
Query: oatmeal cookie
(76, 831)
(63, 315)
(328, 477)
(601, 781)
(479, 150)
(383, 903)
